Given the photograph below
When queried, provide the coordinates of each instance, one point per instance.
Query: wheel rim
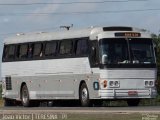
(84, 94)
(25, 96)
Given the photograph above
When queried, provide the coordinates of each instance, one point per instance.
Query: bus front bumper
(123, 93)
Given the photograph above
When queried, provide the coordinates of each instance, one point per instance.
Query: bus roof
(91, 32)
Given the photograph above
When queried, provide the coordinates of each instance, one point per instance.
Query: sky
(21, 16)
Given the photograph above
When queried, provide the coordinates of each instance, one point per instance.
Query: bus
(92, 64)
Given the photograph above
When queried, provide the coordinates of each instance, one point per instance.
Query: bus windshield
(126, 51)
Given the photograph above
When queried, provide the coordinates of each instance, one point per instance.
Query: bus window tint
(37, 50)
(82, 47)
(5, 52)
(9, 52)
(23, 51)
(65, 47)
(50, 48)
(94, 53)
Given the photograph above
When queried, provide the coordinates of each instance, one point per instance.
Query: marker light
(149, 83)
(96, 85)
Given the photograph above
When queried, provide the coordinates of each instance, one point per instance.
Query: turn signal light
(105, 83)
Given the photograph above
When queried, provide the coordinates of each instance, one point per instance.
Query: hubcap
(84, 94)
(25, 96)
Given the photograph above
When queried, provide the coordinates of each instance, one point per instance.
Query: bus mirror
(104, 59)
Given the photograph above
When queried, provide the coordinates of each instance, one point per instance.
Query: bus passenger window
(9, 52)
(82, 47)
(66, 47)
(23, 51)
(50, 48)
(37, 52)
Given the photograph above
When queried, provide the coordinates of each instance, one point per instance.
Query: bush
(158, 86)
(0, 91)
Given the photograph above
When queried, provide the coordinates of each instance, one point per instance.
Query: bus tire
(25, 96)
(133, 102)
(84, 95)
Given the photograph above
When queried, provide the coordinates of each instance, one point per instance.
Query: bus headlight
(146, 83)
(111, 84)
(114, 83)
(149, 83)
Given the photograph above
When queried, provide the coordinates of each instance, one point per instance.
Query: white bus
(93, 64)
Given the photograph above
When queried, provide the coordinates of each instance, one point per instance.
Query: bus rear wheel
(25, 96)
(84, 95)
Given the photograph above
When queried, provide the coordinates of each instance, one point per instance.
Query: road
(81, 110)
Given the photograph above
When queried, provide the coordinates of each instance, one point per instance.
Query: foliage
(156, 39)
(0, 91)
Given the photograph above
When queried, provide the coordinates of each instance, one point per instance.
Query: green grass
(108, 116)
(104, 117)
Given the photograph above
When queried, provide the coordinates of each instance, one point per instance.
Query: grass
(110, 116)
(105, 117)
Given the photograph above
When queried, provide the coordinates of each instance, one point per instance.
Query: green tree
(156, 39)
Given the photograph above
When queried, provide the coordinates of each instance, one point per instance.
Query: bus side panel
(50, 79)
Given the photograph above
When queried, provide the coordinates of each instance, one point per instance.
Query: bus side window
(94, 54)
(82, 47)
(5, 52)
(50, 48)
(37, 51)
(66, 47)
(9, 52)
(23, 51)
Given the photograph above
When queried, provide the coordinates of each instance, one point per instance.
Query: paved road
(88, 110)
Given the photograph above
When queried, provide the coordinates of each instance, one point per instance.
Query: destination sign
(127, 34)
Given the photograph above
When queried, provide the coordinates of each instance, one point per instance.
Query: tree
(156, 40)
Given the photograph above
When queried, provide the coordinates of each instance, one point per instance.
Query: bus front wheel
(84, 95)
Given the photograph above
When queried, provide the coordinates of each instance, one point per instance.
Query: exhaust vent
(8, 83)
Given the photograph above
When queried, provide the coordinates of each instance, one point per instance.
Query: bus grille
(8, 83)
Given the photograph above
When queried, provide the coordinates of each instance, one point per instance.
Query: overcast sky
(13, 19)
